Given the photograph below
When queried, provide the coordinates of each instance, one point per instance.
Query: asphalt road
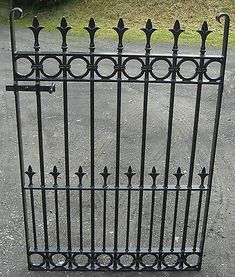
(217, 257)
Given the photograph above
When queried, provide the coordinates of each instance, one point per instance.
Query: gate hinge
(50, 88)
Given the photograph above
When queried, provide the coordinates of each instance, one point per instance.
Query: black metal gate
(53, 240)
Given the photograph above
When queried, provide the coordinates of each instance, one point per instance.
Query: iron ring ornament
(168, 264)
(40, 252)
(153, 263)
(37, 264)
(190, 265)
(58, 70)
(179, 65)
(62, 262)
(83, 264)
(112, 74)
(131, 263)
(104, 264)
(154, 62)
(124, 65)
(206, 74)
(86, 70)
(30, 73)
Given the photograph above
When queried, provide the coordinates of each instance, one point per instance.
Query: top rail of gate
(174, 61)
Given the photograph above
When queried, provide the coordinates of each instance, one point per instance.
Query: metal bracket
(50, 88)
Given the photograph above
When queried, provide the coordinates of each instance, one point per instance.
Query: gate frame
(115, 254)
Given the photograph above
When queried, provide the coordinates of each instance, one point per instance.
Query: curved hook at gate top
(226, 30)
(12, 26)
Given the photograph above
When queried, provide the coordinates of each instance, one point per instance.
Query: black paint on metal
(91, 253)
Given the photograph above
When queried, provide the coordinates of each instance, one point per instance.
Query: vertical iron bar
(148, 31)
(170, 121)
(22, 177)
(117, 157)
(36, 29)
(92, 146)
(33, 218)
(104, 220)
(128, 219)
(41, 158)
(151, 220)
(91, 28)
(41, 155)
(120, 29)
(176, 31)
(64, 28)
(55, 175)
(105, 175)
(144, 128)
(66, 148)
(57, 220)
(168, 150)
(178, 176)
(174, 220)
(80, 218)
(203, 32)
(154, 175)
(193, 151)
(197, 220)
(216, 124)
(19, 129)
(202, 175)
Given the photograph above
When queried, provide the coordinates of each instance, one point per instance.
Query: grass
(163, 13)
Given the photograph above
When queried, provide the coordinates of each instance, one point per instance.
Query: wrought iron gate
(78, 248)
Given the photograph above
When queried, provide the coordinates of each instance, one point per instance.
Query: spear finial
(64, 28)
(178, 176)
(204, 32)
(55, 173)
(120, 29)
(203, 175)
(154, 175)
(129, 175)
(105, 175)
(30, 173)
(91, 29)
(36, 28)
(176, 31)
(80, 175)
(148, 30)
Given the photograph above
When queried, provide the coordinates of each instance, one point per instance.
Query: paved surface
(217, 258)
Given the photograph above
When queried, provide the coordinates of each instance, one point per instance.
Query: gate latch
(50, 88)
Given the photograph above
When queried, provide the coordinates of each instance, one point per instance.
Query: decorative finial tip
(205, 26)
(120, 23)
(149, 24)
(177, 25)
(92, 23)
(63, 22)
(35, 22)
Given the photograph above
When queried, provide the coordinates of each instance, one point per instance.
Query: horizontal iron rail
(104, 80)
(110, 54)
(112, 187)
(85, 250)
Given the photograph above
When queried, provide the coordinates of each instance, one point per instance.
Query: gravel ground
(217, 257)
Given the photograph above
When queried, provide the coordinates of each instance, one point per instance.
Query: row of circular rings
(121, 67)
(108, 260)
